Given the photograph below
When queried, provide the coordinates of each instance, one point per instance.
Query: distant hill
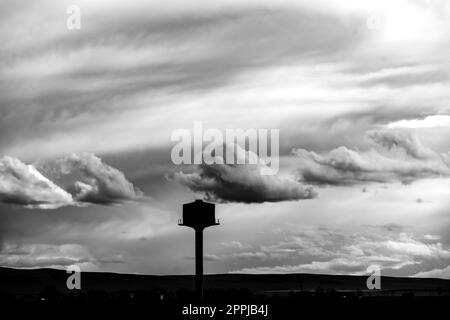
(19, 282)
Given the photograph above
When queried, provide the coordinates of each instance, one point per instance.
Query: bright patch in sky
(427, 122)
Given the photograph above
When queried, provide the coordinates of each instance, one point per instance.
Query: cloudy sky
(359, 92)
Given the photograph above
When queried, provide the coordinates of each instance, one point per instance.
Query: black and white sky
(358, 89)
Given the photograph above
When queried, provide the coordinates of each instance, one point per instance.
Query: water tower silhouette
(198, 215)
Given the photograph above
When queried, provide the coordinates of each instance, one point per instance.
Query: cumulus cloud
(397, 156)
(72, 180)
(404, 140)
(339, 253)
(24, 185)
(242, 183)
(98, 182)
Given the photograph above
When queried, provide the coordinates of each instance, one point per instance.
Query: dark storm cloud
(241, 183)
(399, 156)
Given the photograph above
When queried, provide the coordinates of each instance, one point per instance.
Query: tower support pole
(199, 262)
